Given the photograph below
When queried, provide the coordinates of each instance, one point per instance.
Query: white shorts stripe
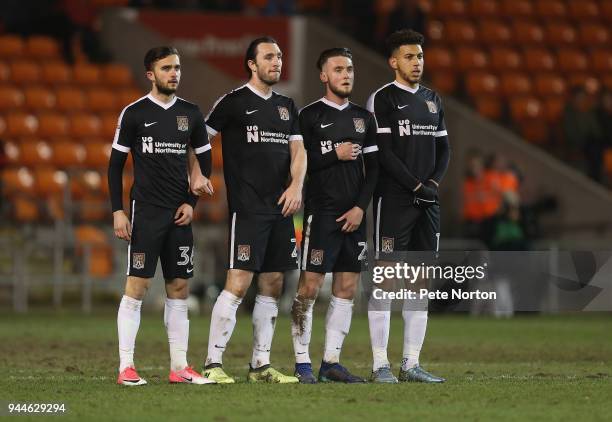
(130, 244)
(378, 207)
(373, 148)
(200, 150)
(306, 242)
(232, 240)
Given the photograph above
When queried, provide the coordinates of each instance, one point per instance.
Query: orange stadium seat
(583, 79)
(460, 31)
(97, 154)
(11, 46)
(17, 180)
(538, 59)
(10, 98)
(86, 74)
(517, 8)
(553, 108)
(94, 209)
(602, 61)
(70, 99)
(435, 31)
(608, 160)
(593, 35)
(560, 34)
(551, 9)
(101, 100)
(515, 83)
(605, 9)
(128, 96)
(52, 125)
(482, 84)
(68, 154)
(5, 72)
(444, 81)
(572, 60)
(49, 181)
(34, 154)
(21, 124)
(449, 8)
(494, 32)
(115, 74)
(12, 152)
(549, 84)
(84, 125)
(471, 58)
(489, 107)
(583, 10)
(535, 131)
(217, 155)
(607, 81)
(109, 126)
(438, 58)
(2, 126)
(25, 72)
(42, 47)
(483, 8)
(527, 32)
(38, 98)
(525, 107)
(504, 59)
(56, 73)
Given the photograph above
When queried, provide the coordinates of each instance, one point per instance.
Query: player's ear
(150, 75)
(252, 66)
(323, 77)
(393, 62)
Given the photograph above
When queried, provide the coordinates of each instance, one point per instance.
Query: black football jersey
(333, 186)
(158, 135)
(255, 131)
(415, 119)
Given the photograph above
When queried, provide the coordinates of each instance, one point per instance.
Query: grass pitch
(526, 368)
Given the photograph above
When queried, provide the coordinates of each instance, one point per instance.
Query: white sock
(222, 323)
(379, 319)
(301, 328)
(337, 325)
(264, 321)
(128, 321)
(415, 325)
(177, 326)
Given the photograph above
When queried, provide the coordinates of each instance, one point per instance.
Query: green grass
(526, 368)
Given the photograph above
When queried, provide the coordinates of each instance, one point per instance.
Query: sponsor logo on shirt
(406, 128)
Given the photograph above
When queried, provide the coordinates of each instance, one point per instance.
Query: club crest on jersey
(283, 113)
(359, 125)
(316, 257)
(244, 252)
(432, 106)
(138, 260)
(387, 244)
(182, 123)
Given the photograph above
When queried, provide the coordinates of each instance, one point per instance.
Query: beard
(409, 78)
(166, 90)
(265, 78)
(339, 93)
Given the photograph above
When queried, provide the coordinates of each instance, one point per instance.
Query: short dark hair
(333, 52)
(158, 53)
(251, 51)
(403, 37)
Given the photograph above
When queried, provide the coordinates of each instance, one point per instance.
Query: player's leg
(426, 236)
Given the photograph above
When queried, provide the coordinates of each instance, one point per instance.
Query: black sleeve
(201, 145)
(317, 159)
(115, 178)
(391, 163)
(370, 162)
(219, 116)
(192, 200)
(296, 132)
(442, 159)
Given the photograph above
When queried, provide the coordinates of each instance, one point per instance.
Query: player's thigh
(321, 243)
(281, 252)
(393, 225)
(248, 239)
(149, 228)
(353, 254)
(177, 253)
(426, 233)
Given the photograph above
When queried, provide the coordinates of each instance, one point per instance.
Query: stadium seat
(583, 10)
(109, 126)
(527, 32)
(593, 35)
(560, 34)
(49, 182)
(504, 59)
(217, 155)
(5, 72)
(482, 84)
(549, 84)
(601, 61)
(444, 82)
(70, 99)
(608, 160)
(438, 58)
(94, 209)
(517, 8)
(551, 9)
(494, 32)
(38, 98)
(572, 60)
(535, 131)
(607, 81)
(471, 58)
(128, 96)
(11, 46)
(10, 98)
(515, 83)
(538, 59)
(67, 155)
(97, 154)
(52, 125)
(583, 79)
(25, 72)
(25, 210)
(34, 154)
(83, 125)
(553, 108)
(605, 10)
(460, 32)
(21, 124)
(449, 8)
(483, 8)
(2, 126)
(17, 180)
(435, 31)
(42, 47)
(56, 73)
(86, 74)
(525, 108)
(101, 252)
(101, 100)
(489, 107)
(12, 153)
(116, 75)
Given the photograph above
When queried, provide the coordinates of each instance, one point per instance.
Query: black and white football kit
(256, 131)
(333, 186)
(158, 135)
(414, 148)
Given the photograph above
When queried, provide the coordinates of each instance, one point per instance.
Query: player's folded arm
(370, 161)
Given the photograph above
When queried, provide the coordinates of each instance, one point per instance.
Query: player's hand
(347, 151)
(353, 218)
(184, 215)
(425, 196)
(200, 185)
(122, 226)
(291, 200)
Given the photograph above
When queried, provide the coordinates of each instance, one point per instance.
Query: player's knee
(136, 287)
(177, 289)
(271, 284)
